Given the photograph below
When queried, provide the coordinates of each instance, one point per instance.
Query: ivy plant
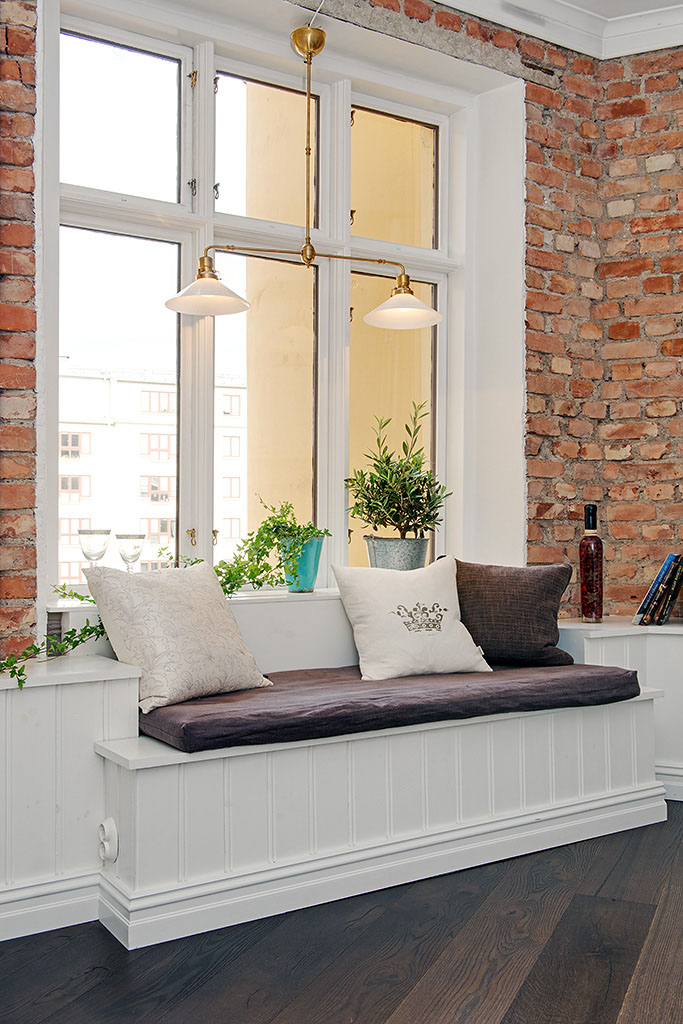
(398, 490)
(51, 646)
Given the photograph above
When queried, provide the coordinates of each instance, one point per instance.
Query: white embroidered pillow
(176, 626)
(407, 623)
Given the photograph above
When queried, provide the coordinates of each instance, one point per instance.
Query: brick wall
(17, 325)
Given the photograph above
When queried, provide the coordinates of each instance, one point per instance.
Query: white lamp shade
(207, 297)
(403, 312)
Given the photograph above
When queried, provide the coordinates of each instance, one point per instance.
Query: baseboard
(149, 918)
(671, 777)
(27, 910)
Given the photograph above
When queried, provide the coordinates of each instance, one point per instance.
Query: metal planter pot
(396, 552)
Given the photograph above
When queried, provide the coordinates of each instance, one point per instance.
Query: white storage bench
(223, 836)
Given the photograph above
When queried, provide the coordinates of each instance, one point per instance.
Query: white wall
(487, 472)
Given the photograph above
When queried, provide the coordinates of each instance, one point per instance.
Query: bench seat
(318, 703)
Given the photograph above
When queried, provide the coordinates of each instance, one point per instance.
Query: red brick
(609, 70)
(658, 285)
(17, 526)
(622, 108)
(543, 302)
(673, 347)
(503, 39)
(625, 268)
(623, 330)
(417, 9)
(541, 94)
(478, 31)
(391, 5)
(17, 496)
(663, 304)
(17, 318)
(619, 90)
(17, 587)
(14, 96)
(21, 42)
(17, 439)
(444, 19)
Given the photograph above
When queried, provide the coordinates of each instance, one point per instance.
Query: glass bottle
(590, 567)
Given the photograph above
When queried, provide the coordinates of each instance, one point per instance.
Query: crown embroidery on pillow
(420, 618)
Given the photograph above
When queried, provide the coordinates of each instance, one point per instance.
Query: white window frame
(192, 224)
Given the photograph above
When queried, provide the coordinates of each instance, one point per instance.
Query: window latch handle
(192, 534)
(214, 533)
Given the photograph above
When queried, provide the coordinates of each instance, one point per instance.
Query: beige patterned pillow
(407, 623)
(176, 625)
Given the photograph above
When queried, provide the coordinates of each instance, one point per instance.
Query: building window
(71, 573)
(231, 486)
(155, 563)
(158, 401)
(231, 446)
(158, 447)
(72, 446)
(68, 530)
(232, 529)
(158, 531)
(73, 488)
(232, 405)
(157, 488)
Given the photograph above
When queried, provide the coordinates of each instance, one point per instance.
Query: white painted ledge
(71, 668)
(621, 625)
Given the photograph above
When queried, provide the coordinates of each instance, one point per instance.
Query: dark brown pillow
(511, 611)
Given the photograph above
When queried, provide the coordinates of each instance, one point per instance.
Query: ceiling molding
(561, 22)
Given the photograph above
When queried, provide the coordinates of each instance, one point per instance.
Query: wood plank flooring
(590, 933)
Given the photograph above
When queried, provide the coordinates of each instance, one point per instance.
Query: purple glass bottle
(590, 567)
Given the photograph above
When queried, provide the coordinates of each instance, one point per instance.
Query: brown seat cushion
(309, 704)
(511, 611)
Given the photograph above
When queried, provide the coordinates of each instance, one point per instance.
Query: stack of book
(661, 597)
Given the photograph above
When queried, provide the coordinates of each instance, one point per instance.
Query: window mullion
(196, 350)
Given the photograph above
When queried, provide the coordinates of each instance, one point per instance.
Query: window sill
(268, 597)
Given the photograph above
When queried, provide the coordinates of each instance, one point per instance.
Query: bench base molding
(144, 920)
(220, 837)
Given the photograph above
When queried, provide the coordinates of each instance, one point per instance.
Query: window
(393, 178)
(232, 486)
(68, 530)
(158, 447)
(147, 566)
(298, 378)
(71, 573)
(158, 401)
(231, 446)
(157, 488)
(73, 488)
(130, 144)
(231, 529)
(159, 531)
(72, 446)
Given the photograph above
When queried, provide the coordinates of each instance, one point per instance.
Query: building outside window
(73, 488)
(159, 531)
(232, 405)
(158, 488)
(158, 447)
(68, 531)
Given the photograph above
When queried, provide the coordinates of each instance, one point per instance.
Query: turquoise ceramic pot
(307, 570)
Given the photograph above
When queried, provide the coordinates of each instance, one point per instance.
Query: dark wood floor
(590, 933)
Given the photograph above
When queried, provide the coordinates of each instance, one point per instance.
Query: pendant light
(207, 296)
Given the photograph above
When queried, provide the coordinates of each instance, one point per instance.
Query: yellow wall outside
(392, 179)
(388, 369)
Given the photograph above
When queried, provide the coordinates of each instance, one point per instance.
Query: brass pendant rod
(243, 250)
(309, 59)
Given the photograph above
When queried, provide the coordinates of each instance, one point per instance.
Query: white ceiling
(601, 28)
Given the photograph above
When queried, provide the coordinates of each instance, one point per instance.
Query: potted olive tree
(399, 491)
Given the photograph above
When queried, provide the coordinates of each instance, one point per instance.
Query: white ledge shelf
(71, 668)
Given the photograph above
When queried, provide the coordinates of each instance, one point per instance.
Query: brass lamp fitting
(206, 267)
(308, 253)
(308, 41)
(402, 286)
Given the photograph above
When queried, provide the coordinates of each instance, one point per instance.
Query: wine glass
(130, 547)
(93, 545)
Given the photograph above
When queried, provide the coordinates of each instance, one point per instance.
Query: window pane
(393, 179)
(260, 143)
(265, 443)
(118, 354)
(389, 370)
(120, 126)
